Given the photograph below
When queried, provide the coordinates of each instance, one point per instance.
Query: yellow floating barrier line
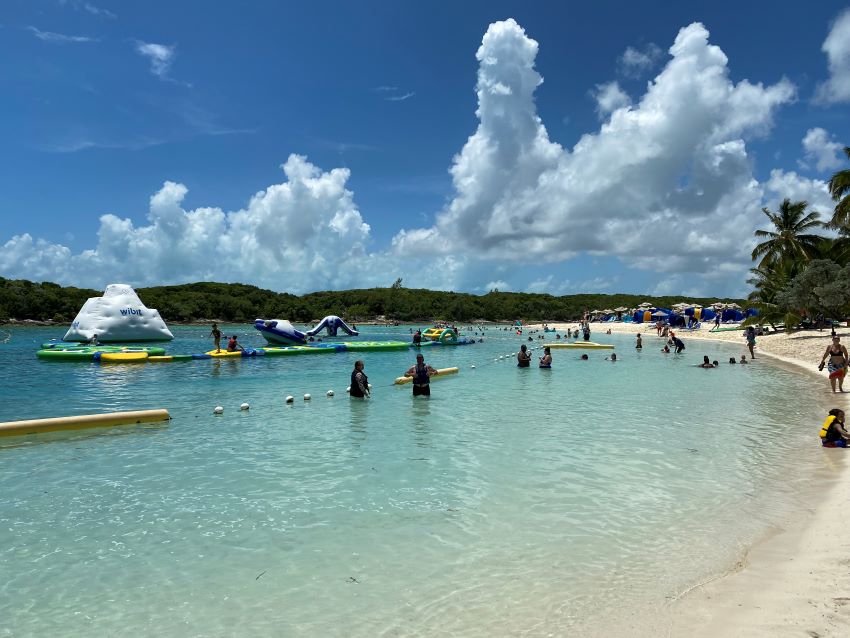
(124, 357)
(82, 422)
(581, 345)
(441, 372)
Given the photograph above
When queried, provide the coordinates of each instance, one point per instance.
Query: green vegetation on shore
(801, 274)
(20, 300)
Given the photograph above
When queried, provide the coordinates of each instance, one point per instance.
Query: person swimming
(705, 363)
(584, 357)
(743, 359)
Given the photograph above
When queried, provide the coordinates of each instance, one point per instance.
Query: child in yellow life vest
(832, 432)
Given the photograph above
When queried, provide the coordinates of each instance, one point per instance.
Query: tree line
(801, 274)
(21, 299)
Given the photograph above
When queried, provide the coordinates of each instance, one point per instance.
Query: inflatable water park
(113, 328)
(282, 331)
(119, 315)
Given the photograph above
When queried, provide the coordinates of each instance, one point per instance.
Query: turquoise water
(513, 501)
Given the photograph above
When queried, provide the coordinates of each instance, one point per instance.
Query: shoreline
(794, 581)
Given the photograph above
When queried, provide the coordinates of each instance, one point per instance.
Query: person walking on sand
(359, 381)
(837, 363)
(215, 333)
(421, 373)
(750, 336)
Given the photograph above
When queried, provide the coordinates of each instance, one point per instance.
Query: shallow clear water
(513, 501)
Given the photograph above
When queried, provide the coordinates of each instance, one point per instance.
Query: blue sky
(144, 142)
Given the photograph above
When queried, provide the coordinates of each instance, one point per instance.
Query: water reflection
(420, 421)
(358, 417)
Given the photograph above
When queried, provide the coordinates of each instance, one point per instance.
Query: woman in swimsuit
(546, 359)
(837, 363)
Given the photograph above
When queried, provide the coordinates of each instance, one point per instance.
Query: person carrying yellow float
(832, 432)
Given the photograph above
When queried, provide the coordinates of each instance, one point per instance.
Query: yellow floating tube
(441, 372)
(225, 353)
(124, 357)
(163, 358)
(582, 345)
(82, 422)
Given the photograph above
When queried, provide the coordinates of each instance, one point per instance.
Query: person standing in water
(638, 343)
(215, 333)
(546, 359)
(359, 381)
(523, 359)
(421, 373)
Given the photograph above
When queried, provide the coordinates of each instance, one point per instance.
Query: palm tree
(789, 242)
(767, 284)
(839, 188)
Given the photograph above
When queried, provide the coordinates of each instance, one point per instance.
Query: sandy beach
(796, 581)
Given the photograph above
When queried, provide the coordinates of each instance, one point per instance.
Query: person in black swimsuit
(837, 363)
(523, 359)
(359, 381)
(421, 373)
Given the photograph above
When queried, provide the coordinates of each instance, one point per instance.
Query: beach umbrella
(607, 312)
(732, 305)
(621, 309)
(645, 304)
(596, 312)
(659, 313)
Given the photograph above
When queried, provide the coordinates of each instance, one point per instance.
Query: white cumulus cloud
(610, 97)
(634, 62)
(303, 234)
(821, 150)
(837, 49)
(797, 188)
(669, 176)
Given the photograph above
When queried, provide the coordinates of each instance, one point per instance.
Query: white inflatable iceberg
(119, 315)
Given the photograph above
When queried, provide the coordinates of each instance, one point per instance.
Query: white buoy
(244, 406)
(330, 393)
(472, 366)
(290, 399)
(307, 397)
(218, 410)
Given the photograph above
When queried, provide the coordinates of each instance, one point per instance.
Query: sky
(528, 147)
